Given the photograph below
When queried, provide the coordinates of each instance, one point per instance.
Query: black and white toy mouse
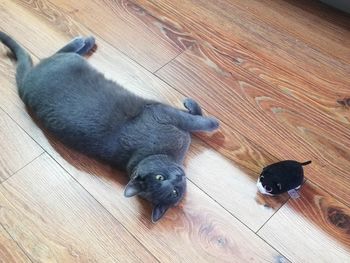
(281, 177)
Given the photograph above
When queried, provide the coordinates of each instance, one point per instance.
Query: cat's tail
(24, 62)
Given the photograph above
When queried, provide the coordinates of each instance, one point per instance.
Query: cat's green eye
(159, 177)
(175, 193)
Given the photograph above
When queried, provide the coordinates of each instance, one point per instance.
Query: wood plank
(325, 12)
(145, 39)
(312, 228)
(248, 159)
(9, 250)
(198, 230)
(205, 229)
(223, 24)
(17, 148)
(213, 29)
(13, 14)
(55, 220)
(280, 124)
(231, 186)
(303, 23)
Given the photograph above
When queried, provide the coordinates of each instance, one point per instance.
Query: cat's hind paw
(192, 106)
(79, 45)
(89, 46)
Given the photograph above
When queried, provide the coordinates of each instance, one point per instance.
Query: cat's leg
(79, 45)
(192, 106)
(190, 122)
(197, 123)
(89, 45)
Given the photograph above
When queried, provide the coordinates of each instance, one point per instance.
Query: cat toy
(281, 177)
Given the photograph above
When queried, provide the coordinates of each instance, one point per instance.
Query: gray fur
(24, 62)
(101, 119)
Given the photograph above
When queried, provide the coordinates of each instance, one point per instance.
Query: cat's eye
(159, 177)
(175, 193)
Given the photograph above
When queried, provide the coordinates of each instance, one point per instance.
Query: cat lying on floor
(99, 118)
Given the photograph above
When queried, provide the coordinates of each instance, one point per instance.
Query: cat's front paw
(214, 124)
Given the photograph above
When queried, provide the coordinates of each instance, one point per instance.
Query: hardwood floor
(17, 154)
(9, 250)
(276, 75)
(316, 218)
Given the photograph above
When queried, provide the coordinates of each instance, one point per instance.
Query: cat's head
(160, 181)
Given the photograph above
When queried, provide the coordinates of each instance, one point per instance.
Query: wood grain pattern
(199, 228)
(208, 235)
(9, 250)
(126, 26)
(317, 218)
(224, 54)
(17, 148)
(247, 157)
(289, 76)
(233, 187)
(262, 67)
(223, 41)
(227, 27)
(150, 56)
(55, 220)
(300, 21)
(260, 112)
(206, 226)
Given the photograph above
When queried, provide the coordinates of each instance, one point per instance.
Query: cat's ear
(132, 188)
(158, 212)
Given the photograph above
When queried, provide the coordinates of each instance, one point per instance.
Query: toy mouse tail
(305, 163)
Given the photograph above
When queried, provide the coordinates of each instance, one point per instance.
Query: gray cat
(99, 118)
